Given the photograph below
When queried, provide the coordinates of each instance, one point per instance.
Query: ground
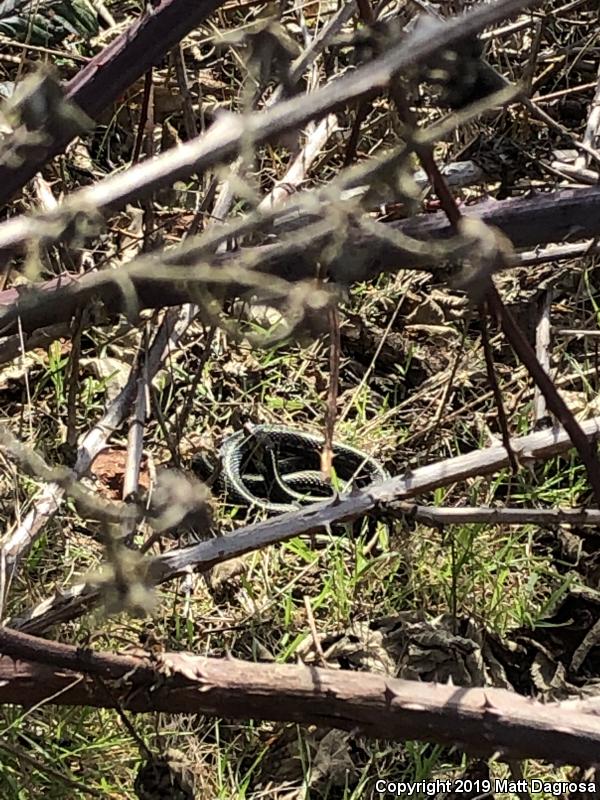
(478, 604)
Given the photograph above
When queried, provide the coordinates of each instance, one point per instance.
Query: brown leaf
(108, 468)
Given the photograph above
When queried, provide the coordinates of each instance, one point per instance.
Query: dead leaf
(108, 468)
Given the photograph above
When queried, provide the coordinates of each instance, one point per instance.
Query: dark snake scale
(277, 469)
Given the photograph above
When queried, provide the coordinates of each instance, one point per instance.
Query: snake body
(276, 469)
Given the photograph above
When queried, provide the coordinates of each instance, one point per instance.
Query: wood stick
(527, 221)
(482, 721)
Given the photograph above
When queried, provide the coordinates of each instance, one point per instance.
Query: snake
(276, 469)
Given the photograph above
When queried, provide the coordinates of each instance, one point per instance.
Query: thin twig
(542, 350)
(493, 381)
(332, 392)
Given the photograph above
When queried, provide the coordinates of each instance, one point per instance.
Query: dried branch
(483, 721)
(48, 501)
(591, 137)
(350, 506)
(493, 256)
(556, 404)
(468, 515)
(542, 351)
(527, 221)
(384, 496)
(173, 326)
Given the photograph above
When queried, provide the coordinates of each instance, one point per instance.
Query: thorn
(337, 499)
(389, 695)
(354, 489)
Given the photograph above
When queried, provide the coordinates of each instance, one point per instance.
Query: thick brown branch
(540, 219)
(482, 721)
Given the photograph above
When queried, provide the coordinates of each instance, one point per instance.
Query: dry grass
(399, 406)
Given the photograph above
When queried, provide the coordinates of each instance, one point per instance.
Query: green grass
(392, 571)
(494, 575)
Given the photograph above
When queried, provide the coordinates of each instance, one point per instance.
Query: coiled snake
(276, 469)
